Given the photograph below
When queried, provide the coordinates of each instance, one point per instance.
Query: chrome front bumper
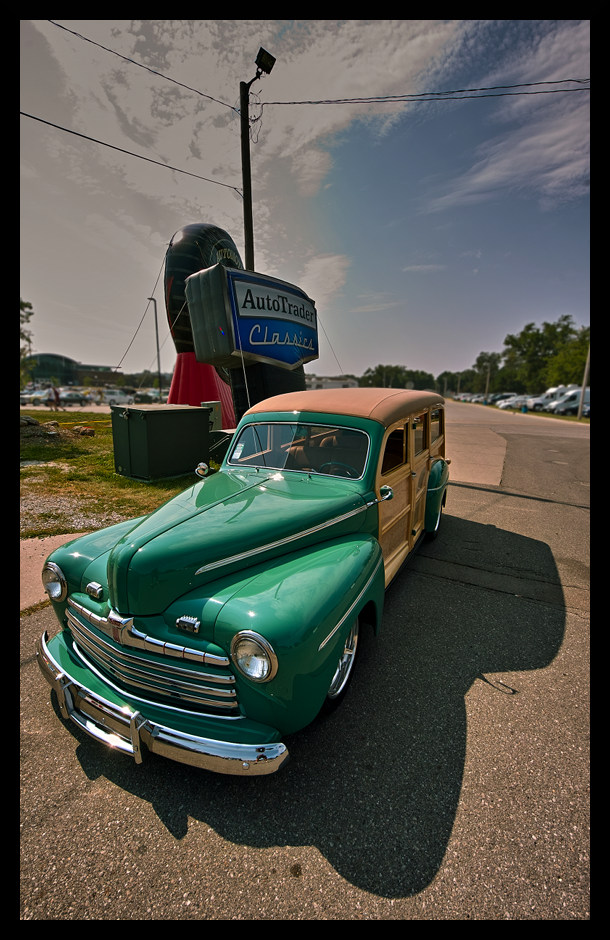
(127, 730)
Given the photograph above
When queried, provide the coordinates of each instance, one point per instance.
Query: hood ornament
(190, 624)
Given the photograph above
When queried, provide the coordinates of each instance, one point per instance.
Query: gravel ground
(77, 514)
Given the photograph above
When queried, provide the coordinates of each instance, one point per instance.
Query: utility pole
(264, 63)
(244, 92)
(585, 379)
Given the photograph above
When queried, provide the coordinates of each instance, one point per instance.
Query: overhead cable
(453, 95)
(148, 69)
(130, 153)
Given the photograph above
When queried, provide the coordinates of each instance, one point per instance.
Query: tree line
(533, 360)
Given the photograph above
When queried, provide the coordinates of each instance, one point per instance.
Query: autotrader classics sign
(235, 312)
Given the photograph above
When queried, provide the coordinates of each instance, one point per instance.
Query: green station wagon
(228, 618)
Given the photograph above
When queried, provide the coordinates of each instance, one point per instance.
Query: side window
(436, 424)
(419, 424)
(394, 453)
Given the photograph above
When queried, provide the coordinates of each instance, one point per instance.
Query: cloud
(424, 268)
(323, 277)
(374, 303)
(543, 149)
(549, 158)
(342, 56)
(310, 167)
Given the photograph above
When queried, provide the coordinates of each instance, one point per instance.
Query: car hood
(226, 523)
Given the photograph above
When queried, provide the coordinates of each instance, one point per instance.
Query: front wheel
(345, 668)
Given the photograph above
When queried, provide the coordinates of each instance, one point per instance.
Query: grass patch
(71, 484)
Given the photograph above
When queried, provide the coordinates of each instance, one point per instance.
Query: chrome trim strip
(435, 489)
(142, 673)
(164, 706)
(166, 679)
(125, 656)
(351, 608)
(119, 727)
(181, 694)
(121, 630)
(280, 542)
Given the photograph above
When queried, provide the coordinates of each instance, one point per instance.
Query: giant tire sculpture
(192, 249)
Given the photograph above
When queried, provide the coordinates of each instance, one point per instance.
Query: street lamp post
(264, 63)
(157, 337)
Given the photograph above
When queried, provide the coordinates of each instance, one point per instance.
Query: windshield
(311, 447)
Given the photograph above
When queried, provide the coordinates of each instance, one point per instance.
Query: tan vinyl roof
(384, 405)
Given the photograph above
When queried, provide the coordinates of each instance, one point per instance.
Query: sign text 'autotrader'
(274, 304)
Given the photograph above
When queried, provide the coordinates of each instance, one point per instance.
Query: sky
(426, 229)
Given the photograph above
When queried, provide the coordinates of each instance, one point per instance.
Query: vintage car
(228, 618)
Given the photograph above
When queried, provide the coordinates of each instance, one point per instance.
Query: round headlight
(54, 581)
(253, 656)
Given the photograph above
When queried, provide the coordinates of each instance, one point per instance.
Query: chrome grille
(160, 680)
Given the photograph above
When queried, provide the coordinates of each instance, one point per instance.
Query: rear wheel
(345, 667)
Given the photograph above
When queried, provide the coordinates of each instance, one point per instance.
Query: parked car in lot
(33, 396)
(497, 397)
(568, 405)
(229, 618)
(149, 396)
(116, 396)
(542, 402)
(518, 401)
(73, 397)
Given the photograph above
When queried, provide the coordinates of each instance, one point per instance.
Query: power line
(137, 330)
(103, 143)
(453, 95)
(140, 65)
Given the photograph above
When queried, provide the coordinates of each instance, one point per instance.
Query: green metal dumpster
(156, 441)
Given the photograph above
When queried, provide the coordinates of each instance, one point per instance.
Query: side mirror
(201, 470)
(385, 492)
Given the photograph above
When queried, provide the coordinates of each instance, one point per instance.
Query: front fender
(304, 606)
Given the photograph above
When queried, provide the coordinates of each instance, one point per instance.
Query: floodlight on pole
(264, 63)
(264, 60)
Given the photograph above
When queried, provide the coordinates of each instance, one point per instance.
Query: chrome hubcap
(346, 662)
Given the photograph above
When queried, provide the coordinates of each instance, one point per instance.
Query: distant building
(337, 381)
(47, 367)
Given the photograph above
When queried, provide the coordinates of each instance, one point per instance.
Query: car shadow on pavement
(375, 787)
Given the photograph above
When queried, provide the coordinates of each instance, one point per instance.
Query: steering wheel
(350, 471)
